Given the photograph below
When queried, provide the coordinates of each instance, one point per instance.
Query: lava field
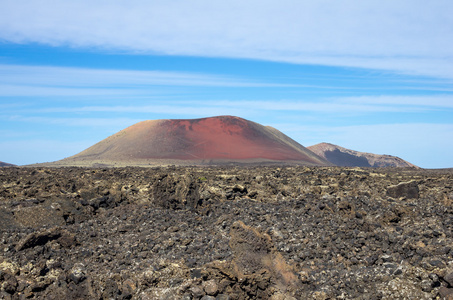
(226, 233)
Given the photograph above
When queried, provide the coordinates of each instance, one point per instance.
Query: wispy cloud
(344, 105)
(437, 101)
(407, 36)
(338, 105)
(18, 80)
(42, 81)
(175, 108)
(50, 91)
(90, 77)
(74, 121)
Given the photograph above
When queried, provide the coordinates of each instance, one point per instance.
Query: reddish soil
(223, 138)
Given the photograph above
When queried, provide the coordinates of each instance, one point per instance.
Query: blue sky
(373, 76)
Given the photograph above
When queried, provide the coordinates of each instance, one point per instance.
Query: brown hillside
(349, 158)
(215, 140)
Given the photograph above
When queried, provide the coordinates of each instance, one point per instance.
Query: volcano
(206, 141)
(343, 157)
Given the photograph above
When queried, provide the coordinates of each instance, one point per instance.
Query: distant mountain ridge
(4, 164)
(343, 157)
(205, 141)
(221, 140)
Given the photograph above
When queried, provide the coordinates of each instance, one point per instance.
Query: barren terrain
(226, 233)
(343, 157)
(206, 141)
(4, 164)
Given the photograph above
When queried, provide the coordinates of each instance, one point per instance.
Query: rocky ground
(226, 233)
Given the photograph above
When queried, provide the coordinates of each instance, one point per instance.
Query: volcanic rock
(404, 189)
(445, 293)
(343, 157)
(228, 233)
(449, 279)
(208, 141)
(43, 237)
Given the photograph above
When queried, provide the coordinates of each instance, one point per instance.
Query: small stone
(386, 258)
(175, 282)
(320, 296)
(40, 285)
(186, 297)
(222, 297)
(206, 297)
(197, 291)
(77, 274)
(280, 296)
(210, 287)
(111, 289)
(129, 285)
(5, 295)
(240, 188)
(426, 286)
(398, 272)
(196, 273)
(371, 259)
(449, 278)
(437, 263)
(433, 277)
(354, 260)
(9, 285)
(390, 265)
(39, 238)
(446, 293)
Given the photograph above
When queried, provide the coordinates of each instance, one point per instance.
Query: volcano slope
(208, 141)
(343, 157)
(4, 164)
(226, 233)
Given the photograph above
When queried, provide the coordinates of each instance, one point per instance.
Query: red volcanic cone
(215, 140)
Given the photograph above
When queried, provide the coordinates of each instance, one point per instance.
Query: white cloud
(173, 109)
(39, 91)
(408, 36)
(74, 121)
(322, 106)
(40, 81)
(18, 80)
(338, 106)
(89, 77)
(435, 101)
